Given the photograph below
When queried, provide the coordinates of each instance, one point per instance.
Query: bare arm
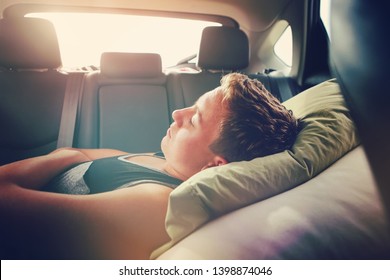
(124, 224)
(93, 154)
(34, 173)
(121, 224)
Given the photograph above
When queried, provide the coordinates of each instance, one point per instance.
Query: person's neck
(173, 172)
(158, 163)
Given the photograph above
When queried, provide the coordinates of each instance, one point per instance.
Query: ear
(216, 161)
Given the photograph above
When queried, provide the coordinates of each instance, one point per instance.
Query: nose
(179, 116)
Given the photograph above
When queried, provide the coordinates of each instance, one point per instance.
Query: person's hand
(35, 173)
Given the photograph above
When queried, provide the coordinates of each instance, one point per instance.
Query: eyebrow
(198, 112)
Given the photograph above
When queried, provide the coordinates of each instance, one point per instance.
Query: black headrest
(223, 48)
(28, 43)
(130, 65)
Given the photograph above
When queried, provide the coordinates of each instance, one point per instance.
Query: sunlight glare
(84, 37)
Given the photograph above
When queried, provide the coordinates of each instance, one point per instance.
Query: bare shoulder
(93, 154)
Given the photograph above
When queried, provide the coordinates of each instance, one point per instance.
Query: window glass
(325, 14)
(83, 36)
(284, 46)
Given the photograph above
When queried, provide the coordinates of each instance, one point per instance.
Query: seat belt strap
(72, 98)
(281, 82)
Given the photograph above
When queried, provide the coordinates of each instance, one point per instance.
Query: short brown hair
(255, 123)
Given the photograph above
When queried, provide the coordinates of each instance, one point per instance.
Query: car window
(284, 47)
(325, 14)
(84, 36)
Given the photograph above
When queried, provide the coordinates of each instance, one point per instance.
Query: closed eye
(192, 120)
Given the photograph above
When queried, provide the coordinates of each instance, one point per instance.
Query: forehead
(210, 98)
(209, 104)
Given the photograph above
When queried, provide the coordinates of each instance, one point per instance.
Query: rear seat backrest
(222, 50)
(278, 84)
(31, 88)
(125, 105)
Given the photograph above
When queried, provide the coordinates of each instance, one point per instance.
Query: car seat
(31, 88)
